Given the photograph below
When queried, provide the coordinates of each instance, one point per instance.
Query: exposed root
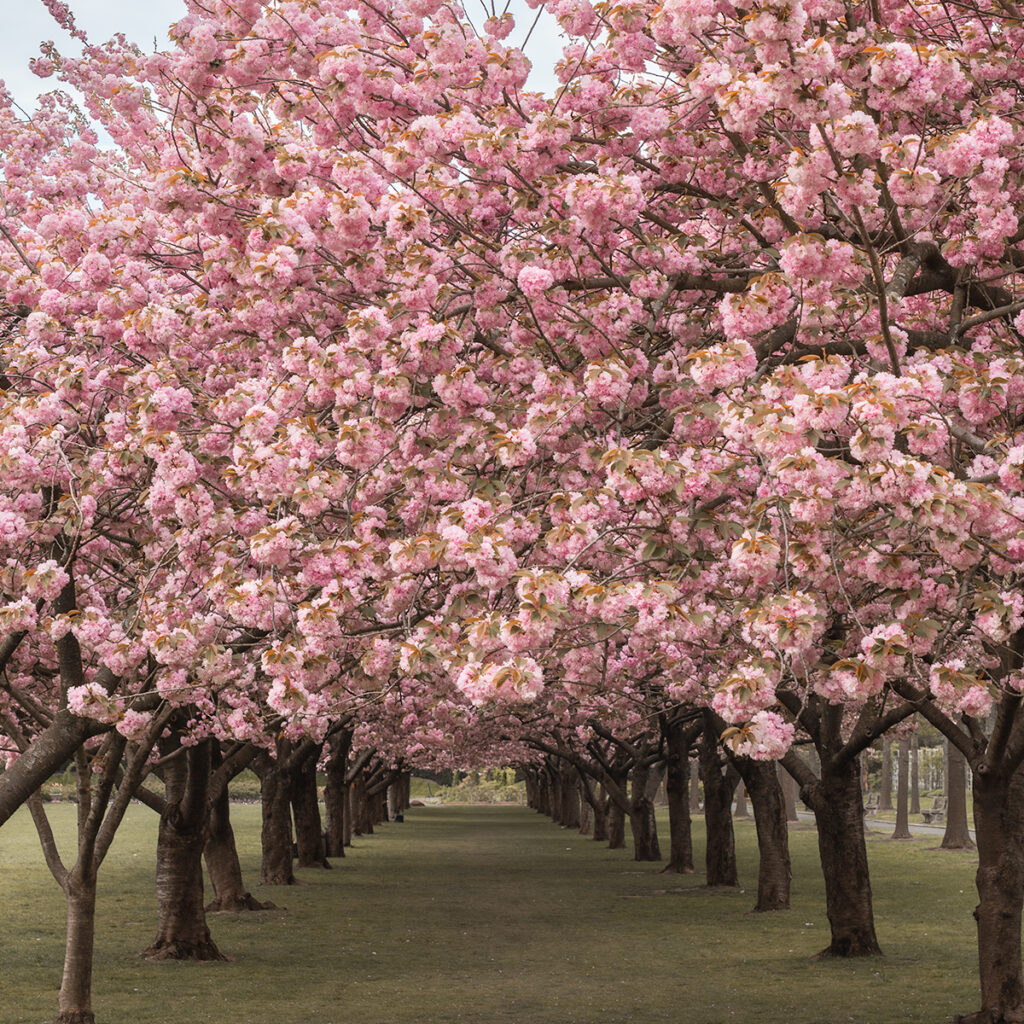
(238, 904)
(204, 952)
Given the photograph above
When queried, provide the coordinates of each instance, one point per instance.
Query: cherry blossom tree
(373, 371)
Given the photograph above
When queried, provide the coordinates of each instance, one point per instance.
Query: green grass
(494, 915)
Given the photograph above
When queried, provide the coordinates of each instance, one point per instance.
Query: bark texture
(957, 835)
(309, 841)
(74, 1001)
(999, 826)
(276, 832)
(641, 814)
(677, 782)
(902, 830)
(182, 932)
(719, 784)
(774, 872)
(839, 813)
(222, 864)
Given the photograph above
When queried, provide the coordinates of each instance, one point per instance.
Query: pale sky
(27, 23)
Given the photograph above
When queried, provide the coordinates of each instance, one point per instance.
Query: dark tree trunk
(336, 792)
(594, 797)
(885, 793)
(309, 840)
(677, 778)
(957, 835)
(616, 827)
(586, 811)
(839, 813)
(641, 816)
(531, 788)
(720, 851)
(567, 783)
(74, 1001)
(362, 812)
(902, 830)
(915, 774)
(774, 872)
(600, 809)
(999, 827)
(182, 933)
(276, 834)
(349, 822)
(221, 855)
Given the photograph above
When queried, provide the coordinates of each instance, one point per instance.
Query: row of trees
(353, 382)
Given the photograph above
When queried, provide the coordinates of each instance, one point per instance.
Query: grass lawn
(494, 915)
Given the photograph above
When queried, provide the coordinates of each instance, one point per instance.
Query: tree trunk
(221, 856)
(957, 835)
(182, 933)
(74, 1001)
(774, 872)
(999, 827)
(915, 774)
(885, 792)
(720, 851)
(677, 777)
(586, 811)
(309, 841)
(594, 797)
(616, 826)
(839, 812)
(276, 834)
(568, 797)
(641, 816)
(362, 815)
(902, 830)
(349, 824)
(336, 793)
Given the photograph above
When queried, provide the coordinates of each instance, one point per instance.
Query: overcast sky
(27, 23)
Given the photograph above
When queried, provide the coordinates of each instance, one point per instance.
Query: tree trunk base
(677, 869)
(75, 1017)
(847, 950)
(771, 906)
(202, 951)
(231, 904)
(282, 881)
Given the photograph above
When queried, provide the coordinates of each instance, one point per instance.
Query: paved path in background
(880, 825)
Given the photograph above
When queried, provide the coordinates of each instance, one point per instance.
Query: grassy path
(493, 915)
